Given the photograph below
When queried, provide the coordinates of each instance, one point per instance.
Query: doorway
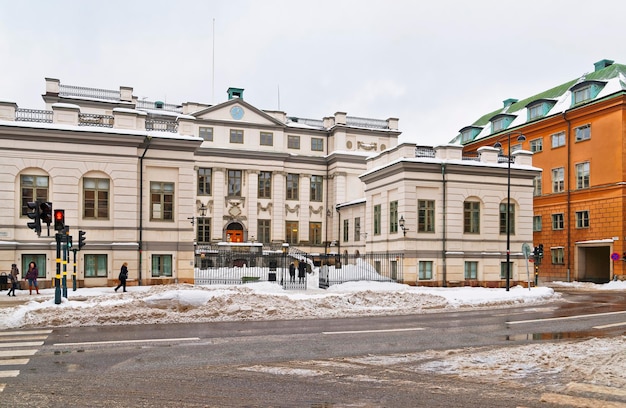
(234, 232)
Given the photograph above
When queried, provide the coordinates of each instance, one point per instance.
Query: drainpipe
(445, 193)
(567, 187)
(327, 208)
(148, 139)
(339, 233)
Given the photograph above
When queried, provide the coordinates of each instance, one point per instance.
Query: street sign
(615, 256)
(526, 250)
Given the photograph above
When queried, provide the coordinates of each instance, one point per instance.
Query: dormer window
(501, 122)
(539, 108)
(586, 91)
(469, 133)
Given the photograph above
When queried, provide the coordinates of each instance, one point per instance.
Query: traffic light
(59, 220)
(81, 240)
(34, 215)
(69, 242)
(540, 252)
(46, 212)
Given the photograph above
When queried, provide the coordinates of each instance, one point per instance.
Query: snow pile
(254, 301)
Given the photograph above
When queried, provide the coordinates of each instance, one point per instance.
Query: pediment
(236, 111)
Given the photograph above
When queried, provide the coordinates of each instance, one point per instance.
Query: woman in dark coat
(32, 275)
(123, 276)
(301, 271)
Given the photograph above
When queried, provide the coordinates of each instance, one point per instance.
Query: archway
(234, 232)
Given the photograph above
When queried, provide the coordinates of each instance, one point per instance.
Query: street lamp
(402, 223)
(202, 210)
(498, 145)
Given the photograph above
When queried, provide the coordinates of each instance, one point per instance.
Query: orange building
(577, 132)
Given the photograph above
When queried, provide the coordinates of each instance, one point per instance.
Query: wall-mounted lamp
(202, 210)
(402, 222)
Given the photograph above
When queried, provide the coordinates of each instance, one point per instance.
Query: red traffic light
(59, 220)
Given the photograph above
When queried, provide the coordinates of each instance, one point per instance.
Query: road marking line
(24, 338)
(564, 318)
(9, 373)
(25, 332)
(17, 353)
(597, 389)
(2, 387)
(14, 361)
(375, 331)
(89, 343)
(23, 344)
(610, 325)
(579, 402)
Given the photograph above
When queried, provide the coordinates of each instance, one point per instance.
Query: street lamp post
(498, 145)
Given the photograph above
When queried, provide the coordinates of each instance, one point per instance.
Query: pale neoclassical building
(151, 182)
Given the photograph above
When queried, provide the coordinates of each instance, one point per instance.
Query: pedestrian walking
(13, 277)
(123, 276)
(301, 271)
(32, 275)
(292, 273)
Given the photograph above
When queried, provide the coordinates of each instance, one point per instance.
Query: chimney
(235, 93)
(602, 64)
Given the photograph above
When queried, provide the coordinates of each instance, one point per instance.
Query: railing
(91, 119)
(379, 267)
(366, 123)
(33, 115)
(83, 92)
(424, 151)
(143, 104)
(161, 125)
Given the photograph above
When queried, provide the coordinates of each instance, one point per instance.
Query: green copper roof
(604, 73)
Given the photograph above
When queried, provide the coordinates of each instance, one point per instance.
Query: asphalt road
(299, 363)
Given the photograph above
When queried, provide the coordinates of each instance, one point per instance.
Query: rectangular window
(293, 142)
(558, 221)
(583, 133)
(206, 133)
(161, 266)
(582, 175)
(425, 216)
(203, 234)
(205, 178)
(377, 219)
(471, 217)
(504, 218)
(535, 111)
(316, 188)
(315, 233)
(537, 186)
(346, 230)
(558, 139)
(537, 223)
(267, 139)
(357, 229)
(291, 232)
(234, 183)
(292, 186)
(558, 180)
(581, 95)
(504, 267)
(34, 188)
(96, 198)
(317, 144)
(236, 136)
(497, 125)
(96, 266)
(582, 219)
(471, 270)
(161, 201)
(393, 217)
(536, 145)
(425, 270)
(557, 255)
(38, 259)
(265, 184)
(264, 231)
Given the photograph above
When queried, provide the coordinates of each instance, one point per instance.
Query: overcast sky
(437, 66)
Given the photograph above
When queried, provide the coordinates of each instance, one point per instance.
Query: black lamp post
(498, 145)
(402, 222)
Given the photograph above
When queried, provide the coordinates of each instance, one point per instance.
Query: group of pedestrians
(301, 272)
(31, 276)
